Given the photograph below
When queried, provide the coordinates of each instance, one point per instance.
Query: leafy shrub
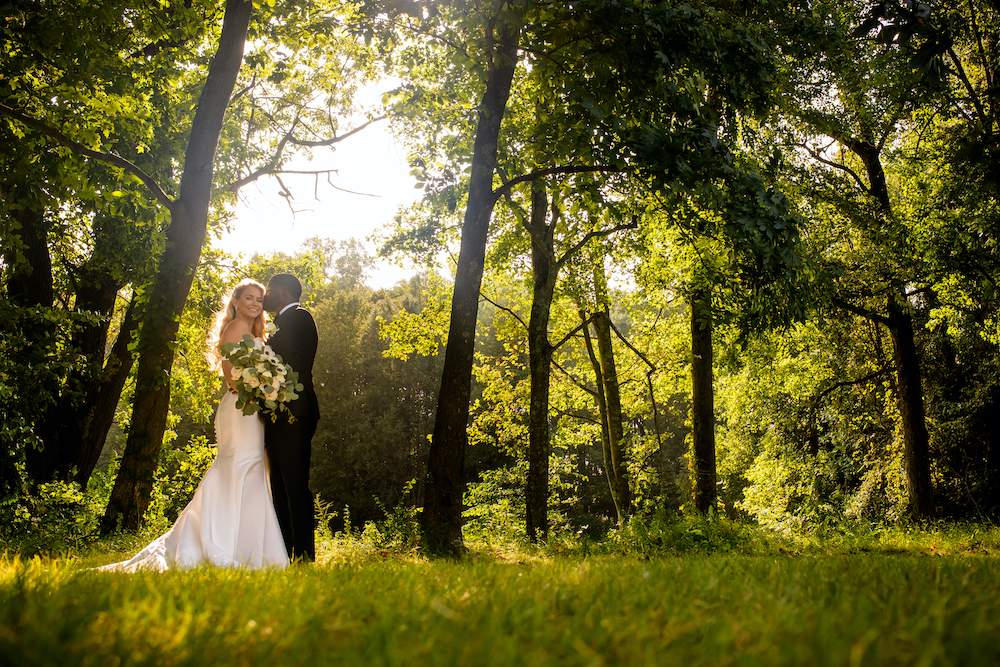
(181, 471)
(688, 531)
(52, 517)
(60, 516)
(496, 504)
(398, 533)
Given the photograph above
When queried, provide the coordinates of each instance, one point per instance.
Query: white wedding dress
(230, 521)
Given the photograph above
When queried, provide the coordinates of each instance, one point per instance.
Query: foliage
(659, 532)
(397, 534)
(662, 108)
(376, 409)
(495, 505)
(59, 518)
(37, 360)
(180, 472)
(54, 517)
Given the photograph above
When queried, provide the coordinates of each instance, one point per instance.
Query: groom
(289, 442)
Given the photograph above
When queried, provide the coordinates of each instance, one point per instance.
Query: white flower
(258, 373)
(270, 329)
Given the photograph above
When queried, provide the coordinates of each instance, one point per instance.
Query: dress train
(230, 521)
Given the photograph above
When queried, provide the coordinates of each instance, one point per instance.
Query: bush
(51, 518)
(689, 531)
(58, 517)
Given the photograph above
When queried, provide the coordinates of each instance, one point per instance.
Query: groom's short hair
(289, 282)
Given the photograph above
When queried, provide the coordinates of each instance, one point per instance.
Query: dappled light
(692, 355)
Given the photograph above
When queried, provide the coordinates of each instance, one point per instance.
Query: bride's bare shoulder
(234, 331)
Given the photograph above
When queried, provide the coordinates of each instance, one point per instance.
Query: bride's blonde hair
(227, 315)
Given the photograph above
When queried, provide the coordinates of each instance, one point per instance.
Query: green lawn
(889, 606)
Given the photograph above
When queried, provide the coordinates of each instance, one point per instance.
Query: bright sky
(371, 162)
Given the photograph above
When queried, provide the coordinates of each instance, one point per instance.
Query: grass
(927, 597)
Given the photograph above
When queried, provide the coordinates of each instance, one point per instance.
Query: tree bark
(909, 391)
(441, 518)
(74, 431)
(613, 414)
(602, 409)
(29, 283)
(96, 420)
(612, 392)
(910, 397)
(161, 314)
(702, 400)
(544, 270)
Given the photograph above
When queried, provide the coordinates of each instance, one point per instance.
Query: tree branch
(574, 415)
(76, 147)
(541, 173)
(572, 379)
(503, 308)
(836, 165)
(973, 96)
(590, 235)
(333, 140)
(271, 167)
(861, 312)
(814, 404)
(289, 138)
(979, 43)
(236, 185)
(573, 332)
(629, 345)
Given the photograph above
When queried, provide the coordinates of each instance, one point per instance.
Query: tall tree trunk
(29, 283)
(544, 270)
(441, 518)
(75, 430)
(161, 314)
(910, 396)
(702, 400)
(602, 408)
(96, 420)
(612, 392)
(613, 416)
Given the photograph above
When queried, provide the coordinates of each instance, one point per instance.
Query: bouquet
(263, 381)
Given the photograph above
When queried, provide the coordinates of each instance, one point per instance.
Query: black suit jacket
(295, 341)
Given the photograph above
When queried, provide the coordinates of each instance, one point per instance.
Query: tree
(185, 236)
(607, 390)
(76, 233)
(498, 29)
(702, 399)
(876, 95)
(614, 56)
(304, 28)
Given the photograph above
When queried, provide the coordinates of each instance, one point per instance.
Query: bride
(230, 521)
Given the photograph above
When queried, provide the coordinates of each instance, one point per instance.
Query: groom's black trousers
(289, 450)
